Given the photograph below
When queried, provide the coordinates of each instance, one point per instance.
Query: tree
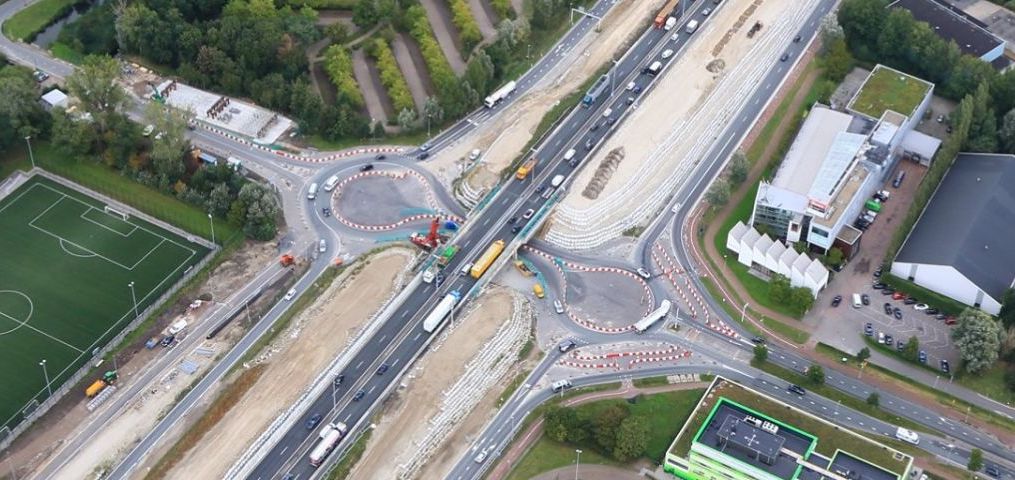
(559, 422)
(1007, 313)
(95, 86)
(911, 350)
(219, 200)
(606, 423)
(801, 299)
(837, 61)
(862, 21)
(816, 374)
(835, 256)
(863, 354)
(983, 129)
(779, 289)
(978, 338)
(719, 193)
(760, 354)
(169, 142)
(975, 460)
(632, 439)
(20, 112)
(873, 399)
(830, 32)
(739, 167)
(337, 32)
(257, 209)
(71, 136)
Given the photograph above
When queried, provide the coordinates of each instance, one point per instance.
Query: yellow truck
(94, 389)
(538, 290)
(485, 260)
(524, 269)
(525, 169)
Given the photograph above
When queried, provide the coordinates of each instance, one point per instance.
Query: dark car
(797, 389)
(866, 299)
(992, 470)
(932, 311)
(910, 300)
(877, 273)
(899, 345)
(314, 420)
(637, 89)
(168, 340)
(540, 189)
(878, 286)
(897, 313)
(440, 278)
(784, 57)
(940, 316)
(339, 379)
(796, 39)
(758, 340)
(610, 121)
(888, 339)
(595, 126)
(588, 144)
(326, 211)
(359, 395)
(368, 167)
(513, 220)
(898, 179)
(923, 356)
(944, 366)
(423, 156)
(868, 329)
(887, 291)
(383, 368)
(516, 229)
(380, 156)
(836, 300)
(888, 308)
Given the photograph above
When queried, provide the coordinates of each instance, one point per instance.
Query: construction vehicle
(525, 169)
(287, 260)
(538, 290)
(441, 311)
(522, 267)
(754, 29)
(155, 93)
(665, 12)
(99, 385)
(330, 435)
(485, 260)
(447, 254)
(430, 241)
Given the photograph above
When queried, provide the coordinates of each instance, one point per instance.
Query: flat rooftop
(247, 119)
(952, 24)
(889, 89)
(806, 155)
(820, 443)
(851, 185)
(728, 432)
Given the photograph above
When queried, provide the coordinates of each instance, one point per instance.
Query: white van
(608, 112)
(857, 301)
(560, 385)
(559, 179)
(569, 155)
(907, 436)
(331, 183)
(465, 268)
(312, 193)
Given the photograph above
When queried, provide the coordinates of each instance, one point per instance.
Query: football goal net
(116, 213)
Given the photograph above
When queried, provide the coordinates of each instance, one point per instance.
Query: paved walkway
(445, 32)
(532, 434)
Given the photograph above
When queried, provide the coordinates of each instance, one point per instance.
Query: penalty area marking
(63, 246)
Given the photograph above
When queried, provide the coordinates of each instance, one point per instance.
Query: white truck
(330, 435)
(500, 94)
(907, 435)
(691, 26)
(670, 22)
(441, 311)
(652, 318)
(429, 274)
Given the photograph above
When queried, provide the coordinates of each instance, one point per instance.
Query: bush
(338, 64)
(391, 76)
(503, 8)
(468, 30)
(440, 71)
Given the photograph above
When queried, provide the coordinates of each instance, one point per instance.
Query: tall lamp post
(28, 140)
(45, 375)
(133, 297)
(211, 221)
(577, 460)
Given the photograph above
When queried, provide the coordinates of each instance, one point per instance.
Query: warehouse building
(962, 245)
(954, 25)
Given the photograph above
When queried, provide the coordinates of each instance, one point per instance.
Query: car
(944, 366)
(797, 389)
(528, 214)
(877, 273)
(40, 76)
(610, 121)
(899, 344)
(992, 470)
(566, 345)
(166, 342)
(423, 156)
(878, 286)
(796, 39)
(339, 379)
(359, 395)
(380, 156)
(910, 301)
(897, 313)
(868, 329)
(920, 306)
(558, 306)
(629, 100)
(631, 85)
(644, 273)
(289, 476)
(540, 189)
(513, 220)
(480, 457)
(758, 340)
(865, 299)
(923, 356)
(881, 337)
(289, 295)
(887, 291)
(474, 154)
(888, 308)
(667, 53)
(383, 368)
(950, 320)
(675, 36)
(515, 229)
(932, 311)
(836, 300)
(784, 57)
(440, 278)
(948, 129)
(898, 180)
(888, 339)
(637, 89)
(838, 267)
(326, 211)
(940, 119)
(425, 146)
(588, 144)
(322, 246)
(367, 167)
(861, 225)
(314, 420)
(940, 316)
(595, 126)
(898, 296)
(706, 12)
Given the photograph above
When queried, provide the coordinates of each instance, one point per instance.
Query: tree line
(610, 430)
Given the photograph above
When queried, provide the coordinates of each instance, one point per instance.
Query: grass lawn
(35, 18)
(64, 52)
(787, 332)
(990, 383)
(53, 232)
(547, 455)
(890, 90)
(651, 381)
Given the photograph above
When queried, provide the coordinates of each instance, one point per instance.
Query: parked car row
(910, 300)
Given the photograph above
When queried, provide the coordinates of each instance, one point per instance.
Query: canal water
(46, 37)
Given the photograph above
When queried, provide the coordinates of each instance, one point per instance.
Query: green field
(65, 284)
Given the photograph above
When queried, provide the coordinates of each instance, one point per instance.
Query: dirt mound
(603, 173)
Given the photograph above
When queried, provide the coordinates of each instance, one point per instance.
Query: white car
(474, 154)
(644, 273)
(289, 295)
(920, 307)
(528, 214)
(630, 86)
(558, 307)
(674, 37)
(667, 53)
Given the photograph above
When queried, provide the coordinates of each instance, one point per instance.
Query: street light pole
(31, 156)
(133, 297)
(743, 313)
(577, 459)
(45, 375)
(211, 221)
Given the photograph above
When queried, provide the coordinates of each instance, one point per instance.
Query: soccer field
(65, 277)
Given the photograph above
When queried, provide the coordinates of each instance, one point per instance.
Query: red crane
(430, 241)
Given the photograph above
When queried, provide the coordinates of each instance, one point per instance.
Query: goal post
(116, 212)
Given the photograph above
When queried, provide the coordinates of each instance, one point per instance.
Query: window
(819, 232)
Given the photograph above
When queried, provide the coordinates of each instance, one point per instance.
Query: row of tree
(609, 429)
(20, 112)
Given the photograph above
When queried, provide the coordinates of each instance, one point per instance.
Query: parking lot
(843, 326)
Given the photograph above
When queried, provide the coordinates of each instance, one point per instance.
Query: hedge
(503, 8)
(324, 4)
(391, 76)
(440, 71)
(338, 64)
(468, 30)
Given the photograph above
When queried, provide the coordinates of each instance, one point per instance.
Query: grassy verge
(990, 383)
(946, 399)
(938, 301)
(14, 159)
(414, 138)
(511, 387)
(34, 19)
(784, 331)
(651, 381)
(344, 467)
(65, 52)
(844, 399)
(222, 404)
(547, 455)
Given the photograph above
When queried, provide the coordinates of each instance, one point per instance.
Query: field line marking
(125, 235)
(72, 347)
(156, 247)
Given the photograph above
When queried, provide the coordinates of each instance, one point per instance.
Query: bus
(485, 260)
(653, 317)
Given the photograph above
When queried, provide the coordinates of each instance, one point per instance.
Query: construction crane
(432, 238)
